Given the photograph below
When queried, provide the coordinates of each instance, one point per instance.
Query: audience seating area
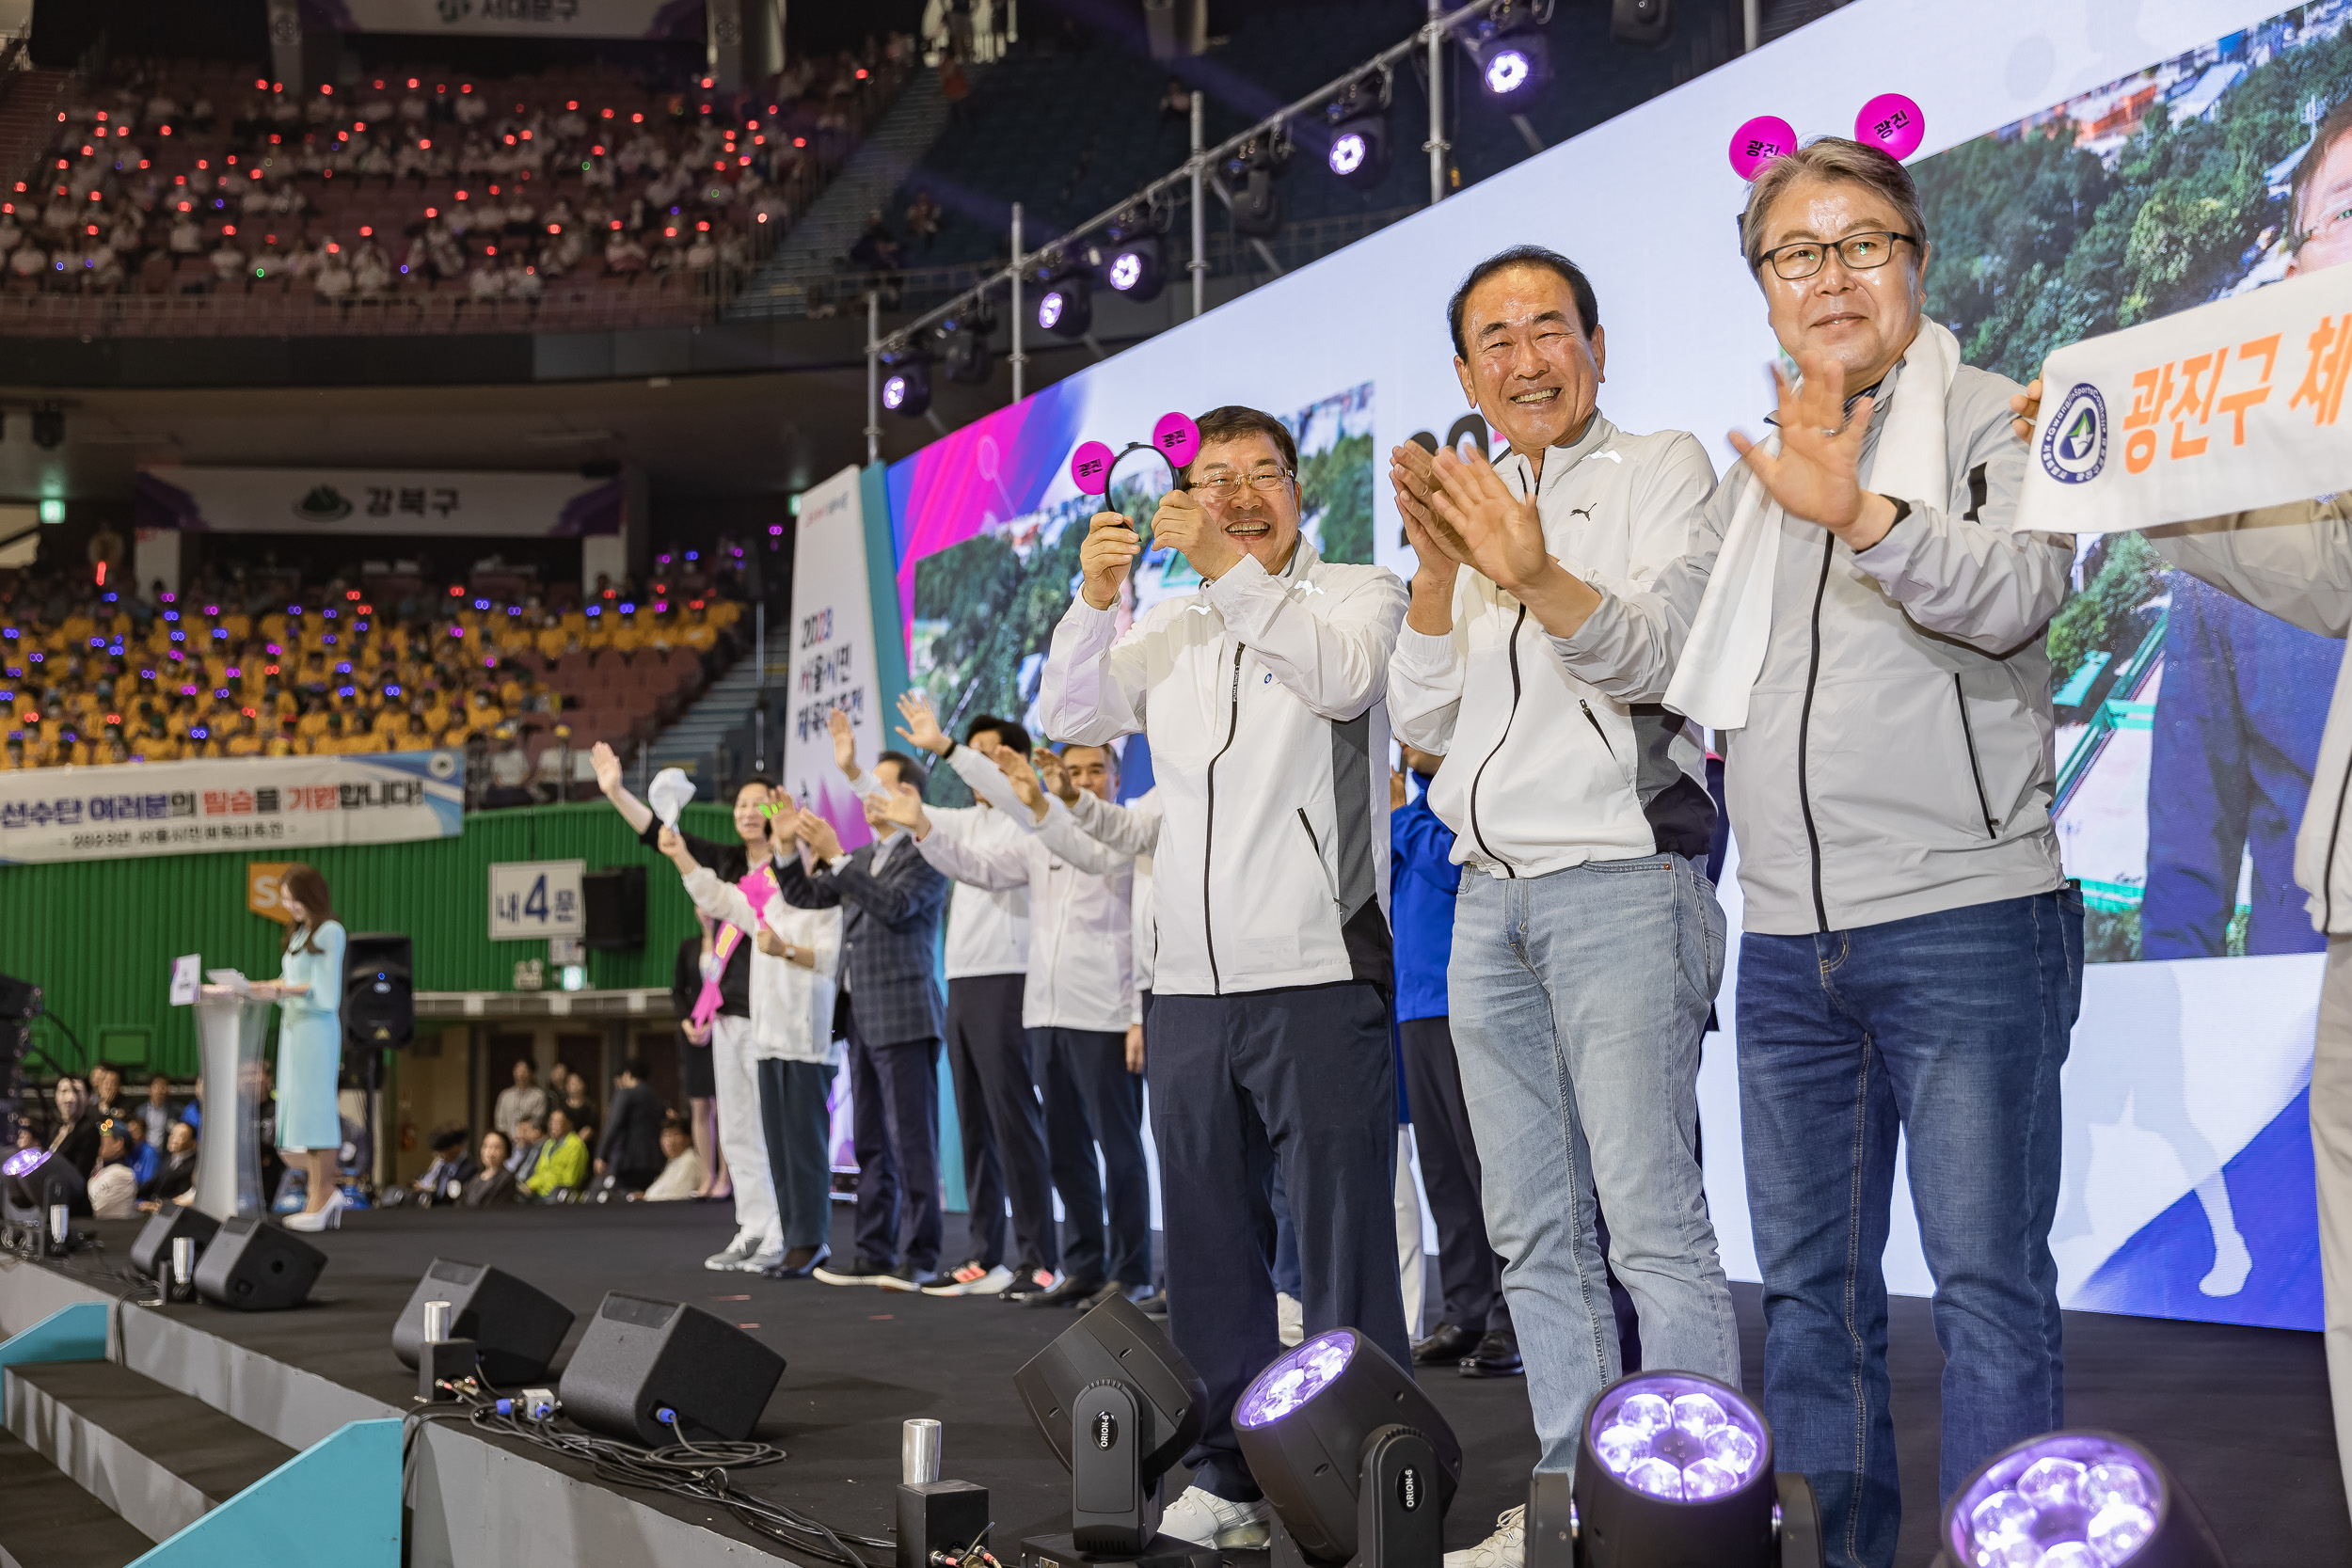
(253, 665)
(181, 198)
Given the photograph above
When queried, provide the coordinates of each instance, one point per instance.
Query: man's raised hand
(921, 729)
(1413, 476)
(902, 804)
(608, 766)
(1184, 524)
(1480, 523)
(1111, 547)
(1820, 450)
(817, 833)
(1023, 777)
(844, 742)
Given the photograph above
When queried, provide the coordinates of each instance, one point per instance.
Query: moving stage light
(32, 1181)
(1357, 1462)
(1359, 120)
(2075, 1499)
(1508, 46)
(1118, 1404)
(965, 348)
(1256, 206)
(906, 386)
(1678, 1468)
(1131, 265)
(1064, 306)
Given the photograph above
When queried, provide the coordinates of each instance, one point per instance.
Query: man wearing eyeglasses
(2296, 563)
(1263, 696)
(1861, 626)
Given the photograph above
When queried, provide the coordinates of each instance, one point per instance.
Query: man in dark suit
(890, 901)
(630, 1150)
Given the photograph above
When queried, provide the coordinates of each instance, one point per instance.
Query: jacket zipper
(1208, 830)
(1316, 844)
(1984, 807)
(1597, 729)
(1805, 731)
(1476, 831)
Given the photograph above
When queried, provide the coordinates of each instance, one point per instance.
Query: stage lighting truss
(2077, 1500)
(1065, 305)
(1256, 206)
(1357, 120)
(906, 386)
(1507, 45)
(964, 341)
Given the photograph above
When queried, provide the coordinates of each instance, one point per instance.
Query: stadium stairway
(103, 1467)
(28, 118)
(720, 723)
(818, 243)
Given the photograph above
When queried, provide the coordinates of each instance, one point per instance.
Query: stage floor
(2242, 1414)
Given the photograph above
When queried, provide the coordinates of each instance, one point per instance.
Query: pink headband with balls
(1175, 439)
(1891, 122)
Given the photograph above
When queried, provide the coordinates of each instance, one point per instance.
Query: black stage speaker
(642, 1362)
(615, 908)
(151, 1255)
(256, 1267)
(379, 1003)
(516, 1327)
(1643, 21)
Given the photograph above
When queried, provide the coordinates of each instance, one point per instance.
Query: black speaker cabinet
(151, 1255)
(641, 1360)
(257, 1267)
(380, 1001)
(516, 1327)
(614, 907)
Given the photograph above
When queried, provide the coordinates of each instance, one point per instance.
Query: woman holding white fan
(1862, 627)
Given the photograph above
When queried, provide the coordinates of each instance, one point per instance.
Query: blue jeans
(1578, 999)
(1949, 1028)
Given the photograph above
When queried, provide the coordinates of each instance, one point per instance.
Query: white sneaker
(1505, 1548)
(972, 1280)
(1206, 1519)
(769, 1254)
(1290, 1319)
(746, 1244)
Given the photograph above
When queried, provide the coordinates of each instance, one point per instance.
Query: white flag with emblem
(2224, 408)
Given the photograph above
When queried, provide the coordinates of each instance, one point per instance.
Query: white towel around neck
(1724, 654)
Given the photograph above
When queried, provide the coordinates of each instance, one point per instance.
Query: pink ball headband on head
(1891, 122)
(1175, 440)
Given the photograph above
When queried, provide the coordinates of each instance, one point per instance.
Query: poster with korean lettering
(2227, 407)
(379, 502)
(831, 663)
(251, 803)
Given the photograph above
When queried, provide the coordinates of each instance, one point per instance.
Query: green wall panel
(99, 936)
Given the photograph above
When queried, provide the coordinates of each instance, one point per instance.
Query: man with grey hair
(2295, 562)
(1862, 627)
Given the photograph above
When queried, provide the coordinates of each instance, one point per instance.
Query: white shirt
(1081, 972)
(792, 1003)
(987, 931)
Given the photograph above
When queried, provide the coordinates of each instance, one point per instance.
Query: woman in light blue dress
(311, 1044)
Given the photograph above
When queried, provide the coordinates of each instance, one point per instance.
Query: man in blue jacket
(1476, 1333)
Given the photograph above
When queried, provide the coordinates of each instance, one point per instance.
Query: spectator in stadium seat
(493, 1183)
(175, 1173)
(630, 1150)
(28, 263)
(227, 262)
(333, 280)
(155, 1112)
(923, 219)
(681, 1171)
(75, 1140)
(113, 1186)
(452, 1166)
(563, 1164)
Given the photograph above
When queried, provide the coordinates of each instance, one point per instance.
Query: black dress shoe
(1497, 1356)
(1138, 1295)
(1450, 1343)
(799, 1262)
(1153, 1306)
(1069, 1293)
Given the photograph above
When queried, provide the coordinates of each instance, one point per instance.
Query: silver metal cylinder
(182, 1260)
(437, 1315)
(59, 1214)
(918, 1451)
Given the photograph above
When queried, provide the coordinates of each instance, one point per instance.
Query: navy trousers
(1303, 1076)
(1091, 1100)
(799, 1125)
(893, 1092)
(1468, 1269)
(1004, 1130)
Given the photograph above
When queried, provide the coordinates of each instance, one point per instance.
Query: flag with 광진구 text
(2233, 406)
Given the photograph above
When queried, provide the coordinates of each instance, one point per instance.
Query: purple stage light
(1295, 1379)
(2069, 1500)
(1683, 1438)
(894, 392)
(1050, 308)
(1348, 153)
(24, 1162)
(1507, 71)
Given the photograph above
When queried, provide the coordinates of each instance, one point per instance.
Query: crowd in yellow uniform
(98, 679)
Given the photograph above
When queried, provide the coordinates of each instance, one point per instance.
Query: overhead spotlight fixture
(48, 425)
(964, 345)
(1677, 1467)
(1507, 44)
(1064, 306)
(2077, 1500)
(1129, 261)
(1118, 1404)
(1358, 121)
(1257, 207)
(906, 386)
(1355, 1460)
(1648, 23)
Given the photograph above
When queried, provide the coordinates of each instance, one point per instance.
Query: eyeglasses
(1863, 252)
(1224, 488)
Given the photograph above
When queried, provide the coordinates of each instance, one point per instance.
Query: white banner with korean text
(832, 664)
(580, 19)
(2223, 408)
(173, 808)
(376, 502)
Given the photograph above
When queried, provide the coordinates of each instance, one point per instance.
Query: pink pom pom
(1759, 142)
(1892, 124)
(1090, 468)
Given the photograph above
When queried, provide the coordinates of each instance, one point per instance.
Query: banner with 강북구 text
(173, 808)
(2227, 407)
(580, 19)
(833, 652)
(378, 502)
